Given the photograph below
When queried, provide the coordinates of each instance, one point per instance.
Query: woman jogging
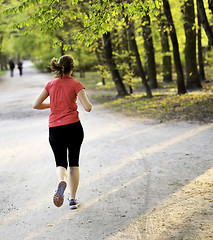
(65, 129)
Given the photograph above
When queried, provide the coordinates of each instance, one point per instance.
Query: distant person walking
(20, 66)
(65, 129)
(12, 66)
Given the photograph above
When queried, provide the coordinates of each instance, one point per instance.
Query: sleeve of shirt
(78, 87)
(47, 86)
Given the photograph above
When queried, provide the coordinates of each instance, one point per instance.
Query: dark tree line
(194, 66)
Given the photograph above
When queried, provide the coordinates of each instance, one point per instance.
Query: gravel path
(139, 179)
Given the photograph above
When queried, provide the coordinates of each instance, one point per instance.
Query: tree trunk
(211, 5)
(62, 44)
(62, 49)
(200, 52)
(192, 76)
(120, 87)
(1, 66)
(204, 21)
(134, 49)
(150, 52)
(5, 62)
(1, 55)
(103, 80)
(82, 73)
(98, 51)
(167, 61)
(176, 54)
(127, 48)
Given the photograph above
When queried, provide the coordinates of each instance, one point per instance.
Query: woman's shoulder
(55, 80)
(52, 82)
(70, 81)
(74, 81)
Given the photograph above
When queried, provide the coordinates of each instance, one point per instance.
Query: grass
(93, 81)
(2, 73)
(165, 105)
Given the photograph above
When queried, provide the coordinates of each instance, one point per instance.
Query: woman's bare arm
(38, 104)
(84, 100)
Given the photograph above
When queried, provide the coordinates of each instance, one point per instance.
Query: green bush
(43, 63)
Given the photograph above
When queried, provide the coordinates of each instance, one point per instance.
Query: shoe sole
(58, 198)
(72, 207)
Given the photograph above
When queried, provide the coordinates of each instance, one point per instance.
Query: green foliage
(74, 24)
(93, 81)
(85, 59)
(99, 17)
(43, 62)
(45, 23)
(103, 71)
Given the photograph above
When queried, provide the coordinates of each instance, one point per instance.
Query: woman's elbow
(88, 108)
(35, 105)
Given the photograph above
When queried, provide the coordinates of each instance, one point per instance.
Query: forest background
(151, 58)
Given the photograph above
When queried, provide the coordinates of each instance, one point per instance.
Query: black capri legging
(66, 139)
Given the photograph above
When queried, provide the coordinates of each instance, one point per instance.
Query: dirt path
(139, 179)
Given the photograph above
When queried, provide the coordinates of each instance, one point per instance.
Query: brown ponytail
(62, 66)
(57, 68)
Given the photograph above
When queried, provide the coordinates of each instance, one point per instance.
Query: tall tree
(6, 32)
(176, 53)
(62, 43)
(129, 71)
(167, 61)
(200, 51)
(204, 21)
(3, 64)
(135, 52)
(192, 76)
(101, 59)
(149, 48)
(120, 87)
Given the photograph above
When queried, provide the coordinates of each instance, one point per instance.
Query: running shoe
(73, 203)
(58, 197)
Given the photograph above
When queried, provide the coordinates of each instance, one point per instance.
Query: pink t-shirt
(63, 96)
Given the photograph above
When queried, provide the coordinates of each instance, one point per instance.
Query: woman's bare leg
(73, 181)
(61, 173)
